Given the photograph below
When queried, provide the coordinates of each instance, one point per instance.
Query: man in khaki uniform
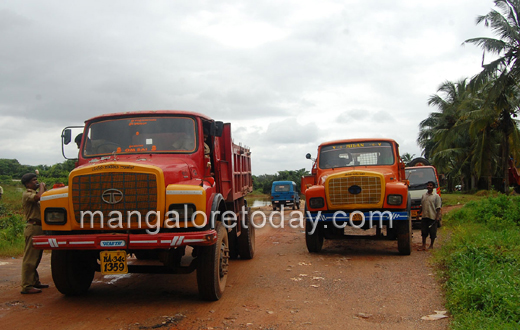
(31, 256)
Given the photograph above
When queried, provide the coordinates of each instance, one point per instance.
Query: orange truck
(356, 185)
(166, 186)
(418, 177)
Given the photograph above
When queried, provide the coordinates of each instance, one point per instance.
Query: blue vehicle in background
(285, 193)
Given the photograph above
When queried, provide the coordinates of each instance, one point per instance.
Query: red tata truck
(166, 186)
(357, 185)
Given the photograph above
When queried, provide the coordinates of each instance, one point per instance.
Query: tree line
(262, 183)
(473, 134)
(11, 169)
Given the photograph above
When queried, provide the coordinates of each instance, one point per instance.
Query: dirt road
(350, 285)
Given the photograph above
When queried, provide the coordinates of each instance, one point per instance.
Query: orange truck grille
(116, 191)
(370, 190)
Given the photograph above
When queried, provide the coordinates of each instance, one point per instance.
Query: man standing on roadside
(1, 192)
(431, 214)
(31, 256)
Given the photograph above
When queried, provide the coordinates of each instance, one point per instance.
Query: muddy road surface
(357, 284)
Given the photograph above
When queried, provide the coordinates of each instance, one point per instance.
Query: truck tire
(72, 271)
(313, 241)
(294, 205)
(212, 266)
(298, 205)
(404, 231)
(419, 161)
(404, 237)
(233, 244)
(246, 240)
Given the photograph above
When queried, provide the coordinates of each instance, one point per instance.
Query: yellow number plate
(113, 262)
(414, 213)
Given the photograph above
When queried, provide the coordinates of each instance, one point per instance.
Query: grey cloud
(352, 115)
(62, 63)
(289, 131)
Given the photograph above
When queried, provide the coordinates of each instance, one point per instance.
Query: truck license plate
(414, 213)
(113, 262)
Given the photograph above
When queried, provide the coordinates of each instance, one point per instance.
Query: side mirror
(218, 128)
(308, 156)
(66, 135)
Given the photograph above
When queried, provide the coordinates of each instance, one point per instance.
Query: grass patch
(458, 198)
(11, 233)
(481, 264)
(258, 195)
(11, 221)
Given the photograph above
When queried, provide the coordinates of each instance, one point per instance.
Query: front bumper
(341, 216)
(124, 241)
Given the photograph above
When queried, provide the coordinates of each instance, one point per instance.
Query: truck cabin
(342, 155)
(125, 134)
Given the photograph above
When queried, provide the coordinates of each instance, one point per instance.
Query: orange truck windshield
(356, 154)
(141, 135)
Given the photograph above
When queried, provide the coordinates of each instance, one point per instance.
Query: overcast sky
(288, 75)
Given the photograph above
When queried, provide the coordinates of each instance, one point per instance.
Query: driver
(183, 142)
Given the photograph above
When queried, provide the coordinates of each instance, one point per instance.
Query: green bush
(481, 264)
(11, 228)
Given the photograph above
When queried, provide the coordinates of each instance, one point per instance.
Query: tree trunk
(505, 162)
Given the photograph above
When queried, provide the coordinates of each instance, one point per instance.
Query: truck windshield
(419, 177)
(356, 154)
(141, 135)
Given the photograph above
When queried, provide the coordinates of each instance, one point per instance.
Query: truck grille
(92, 193)
(370, 190)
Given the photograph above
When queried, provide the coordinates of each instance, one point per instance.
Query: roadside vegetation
(459, 198)
(480, 264)
(473, 134)
(263, 183)
(11, 220)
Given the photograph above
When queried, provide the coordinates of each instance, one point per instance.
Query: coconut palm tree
(443, 135)
(407, 157)
(504, 71)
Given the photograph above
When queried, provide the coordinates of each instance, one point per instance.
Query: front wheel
(72, 271)
(212, 266)
(404, 237)
(313, 241)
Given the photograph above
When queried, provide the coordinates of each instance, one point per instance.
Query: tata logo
(112, 196)
(354, 189)
(112, 243)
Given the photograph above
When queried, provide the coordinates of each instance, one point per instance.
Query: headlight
(394, 199)
(55, 216)
(184, 211)
(316, 202)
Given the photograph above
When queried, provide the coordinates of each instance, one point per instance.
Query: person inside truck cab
(183, 142)
(77, 139)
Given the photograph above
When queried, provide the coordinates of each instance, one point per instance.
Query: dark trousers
(428, 227)
(31, 257)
